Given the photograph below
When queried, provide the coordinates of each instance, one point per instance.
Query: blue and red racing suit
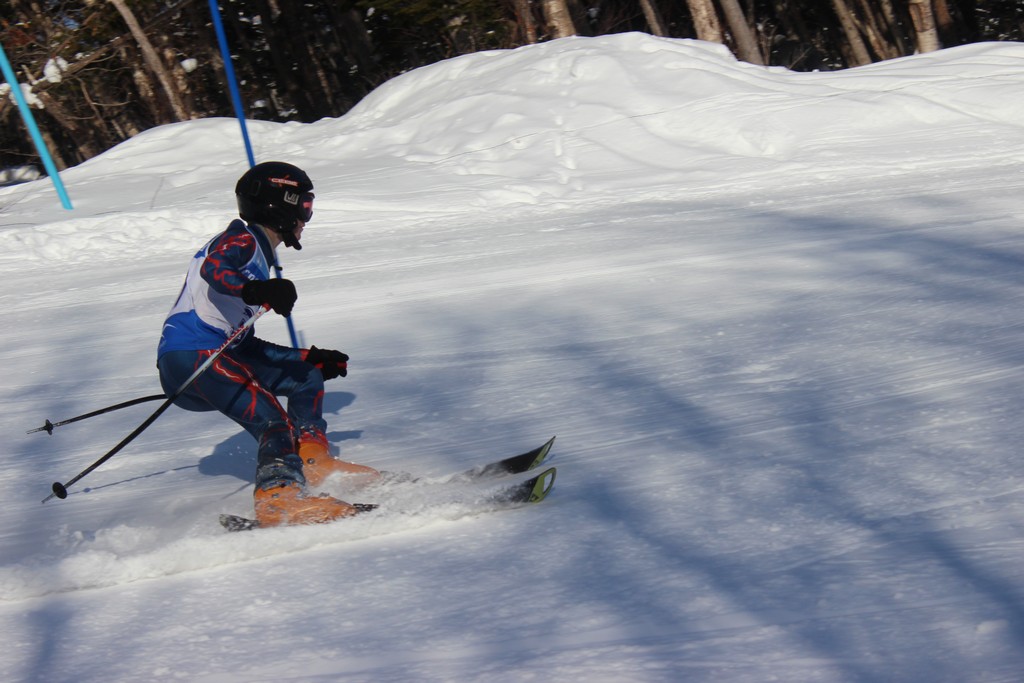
(246, 379)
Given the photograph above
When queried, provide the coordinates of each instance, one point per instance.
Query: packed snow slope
(774, 319)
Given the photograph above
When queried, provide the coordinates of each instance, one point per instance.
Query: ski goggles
(306, 206)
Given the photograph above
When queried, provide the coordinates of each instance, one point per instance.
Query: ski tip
(542, 453)
(542, 485)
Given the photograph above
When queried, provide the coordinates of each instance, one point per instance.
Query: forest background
(98, 72)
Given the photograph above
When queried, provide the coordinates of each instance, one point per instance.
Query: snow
(773, 318)
(53, 69)
(26, 90)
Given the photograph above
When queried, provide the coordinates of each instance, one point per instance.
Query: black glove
(279, 294)
(331, 363)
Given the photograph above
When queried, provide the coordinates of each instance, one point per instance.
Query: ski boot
(288, 503)
(318, 464)
(281, 497)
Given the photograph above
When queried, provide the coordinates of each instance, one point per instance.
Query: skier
(227, 281)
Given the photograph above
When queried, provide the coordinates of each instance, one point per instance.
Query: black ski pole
(48, 427)
(61, 490)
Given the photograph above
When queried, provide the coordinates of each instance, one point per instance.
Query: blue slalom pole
(229, 69)
(33, 129)
(236, 101)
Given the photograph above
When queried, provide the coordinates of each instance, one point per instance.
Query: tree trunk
(893, 27)
(705, 21)
(858, 50)
(946, 23)
(875, 27)
(580, 17)
(152, 59)
(559, 19)
(60, 115)
(351, 62)
(282, 58)
(746, 43)
(356, 42)
(924, 25)
(654, 18)
(524, 17)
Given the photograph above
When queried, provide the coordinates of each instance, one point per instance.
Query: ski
(239, 523)
(533, 490)
(516, 464)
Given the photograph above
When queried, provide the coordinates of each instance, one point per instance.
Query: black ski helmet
(276, 195)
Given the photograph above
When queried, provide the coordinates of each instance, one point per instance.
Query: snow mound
(543, 124)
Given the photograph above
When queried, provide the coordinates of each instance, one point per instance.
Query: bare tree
(858, 50)
(898, 45)
(559, 18)
(152, 59)
(524, 18)
(876, 28)
(654, 18)
(746, 43)
(705, 21)
(924, 25)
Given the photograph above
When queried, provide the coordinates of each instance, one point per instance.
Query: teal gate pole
(33, 129)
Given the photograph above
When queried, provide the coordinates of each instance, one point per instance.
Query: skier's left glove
(331, 363)
(279, 294)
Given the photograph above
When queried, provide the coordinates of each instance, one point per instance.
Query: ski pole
(48, 427)
(61, 490)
